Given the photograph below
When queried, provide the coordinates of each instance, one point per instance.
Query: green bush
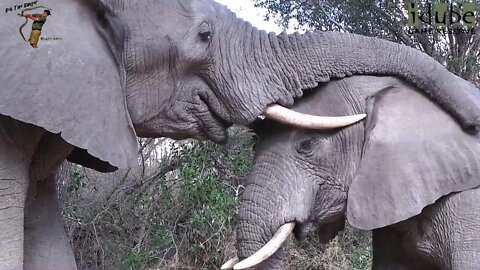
(177, 213)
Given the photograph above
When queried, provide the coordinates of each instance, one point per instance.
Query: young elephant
(407, 172)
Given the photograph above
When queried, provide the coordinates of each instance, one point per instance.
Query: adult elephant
(110, 70)
(407, 172)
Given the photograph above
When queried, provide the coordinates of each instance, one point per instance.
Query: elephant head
(183, 69)
(406, 154)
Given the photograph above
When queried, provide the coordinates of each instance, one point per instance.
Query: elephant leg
(390, 253)
(13, 189)
(387, 251)
(17, 144)
(46, 243)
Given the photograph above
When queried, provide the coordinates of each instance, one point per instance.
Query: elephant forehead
(171, 19)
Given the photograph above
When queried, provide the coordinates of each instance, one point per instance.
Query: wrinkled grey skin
(379, 174)
(177, 68)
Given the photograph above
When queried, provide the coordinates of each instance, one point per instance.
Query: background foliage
(175, 210)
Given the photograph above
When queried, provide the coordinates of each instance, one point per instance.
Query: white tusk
(271, 247)
(230, 263)
(302, 120)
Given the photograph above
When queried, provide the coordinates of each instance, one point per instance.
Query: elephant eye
(205, 36)
(305, 146)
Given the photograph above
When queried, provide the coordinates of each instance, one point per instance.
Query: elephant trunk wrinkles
(313, 57)
(258, 218)
(270, 200)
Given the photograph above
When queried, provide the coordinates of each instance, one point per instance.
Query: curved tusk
(230, 263)
(271, 247)
(302, 120)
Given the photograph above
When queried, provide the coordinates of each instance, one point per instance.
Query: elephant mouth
(299, 230)
(219, 118)
(269, 256)
(212, 125)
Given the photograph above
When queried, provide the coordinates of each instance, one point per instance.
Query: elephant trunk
(314, 57)
(274, 196)
(258, 218)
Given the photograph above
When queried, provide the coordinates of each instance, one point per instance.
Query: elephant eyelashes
(205, 36)
(305, 146)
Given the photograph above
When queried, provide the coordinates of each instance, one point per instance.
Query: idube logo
(454, 18)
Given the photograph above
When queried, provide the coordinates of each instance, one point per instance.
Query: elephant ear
(81, 156)
(414, 153)
(70, 84)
